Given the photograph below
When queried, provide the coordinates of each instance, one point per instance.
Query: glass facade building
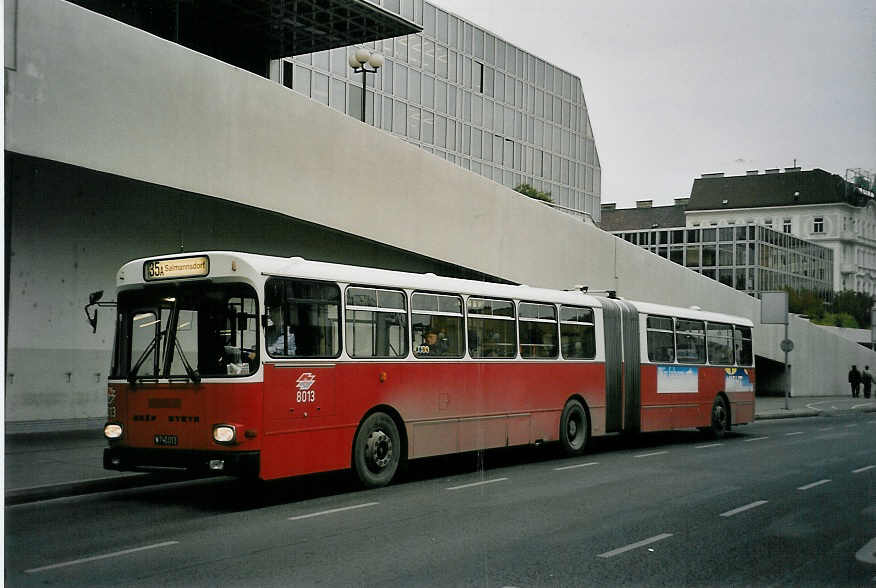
(750, 258)
(462, 93)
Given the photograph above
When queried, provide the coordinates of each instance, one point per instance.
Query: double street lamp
(358, 62)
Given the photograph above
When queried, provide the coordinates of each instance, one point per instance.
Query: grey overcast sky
(679, 88)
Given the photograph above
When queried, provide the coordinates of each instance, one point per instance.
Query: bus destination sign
(180, 267)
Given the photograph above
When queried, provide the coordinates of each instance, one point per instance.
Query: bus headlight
(224, 434)
(112, 431)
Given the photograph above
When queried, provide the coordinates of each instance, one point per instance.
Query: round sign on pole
(787, 346)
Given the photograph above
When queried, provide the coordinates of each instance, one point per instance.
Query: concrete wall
(100, 96)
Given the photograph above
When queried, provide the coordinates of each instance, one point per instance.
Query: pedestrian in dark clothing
(855, 381)
(867, 379)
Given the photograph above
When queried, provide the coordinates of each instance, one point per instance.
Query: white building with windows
(813, 205)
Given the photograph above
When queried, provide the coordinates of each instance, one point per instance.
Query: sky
(679, 88)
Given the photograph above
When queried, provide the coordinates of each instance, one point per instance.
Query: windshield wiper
(172, 344)
(132, 375)
(193, 374)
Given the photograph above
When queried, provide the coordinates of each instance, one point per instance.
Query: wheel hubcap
(719, 416)
(378, 449)
(575, 429)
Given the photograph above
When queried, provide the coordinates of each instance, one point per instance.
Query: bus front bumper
(132, 459)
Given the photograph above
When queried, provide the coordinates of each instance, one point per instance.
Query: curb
(786, 414)
(50, 491)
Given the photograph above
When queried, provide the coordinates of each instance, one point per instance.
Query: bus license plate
(169, 440)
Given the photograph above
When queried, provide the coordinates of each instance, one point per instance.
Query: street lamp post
(358, 61)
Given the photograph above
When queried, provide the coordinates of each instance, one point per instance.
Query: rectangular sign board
(180, 267)
(774, 308)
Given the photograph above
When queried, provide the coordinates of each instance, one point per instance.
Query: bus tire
(574, 428)
(376, 450)
(720, 423)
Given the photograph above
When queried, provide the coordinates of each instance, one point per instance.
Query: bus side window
(690, 341)
(661, 339)
(742, 339)
(303, 318)
(491, 328)
(376, 322)
(577, 333)
(538, 330)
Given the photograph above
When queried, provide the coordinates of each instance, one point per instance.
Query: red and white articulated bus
(272, 367)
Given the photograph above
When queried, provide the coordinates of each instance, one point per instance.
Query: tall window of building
(786, 225)
(818, 224)
(477, 77)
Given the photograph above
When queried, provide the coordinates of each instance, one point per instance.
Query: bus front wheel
(376, 450)
(574, 428)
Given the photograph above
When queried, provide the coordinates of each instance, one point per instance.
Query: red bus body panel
(303, 418)
(446, 407)
(692, 408)
(187, 411)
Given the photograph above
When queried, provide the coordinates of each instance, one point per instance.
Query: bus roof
(266, 265)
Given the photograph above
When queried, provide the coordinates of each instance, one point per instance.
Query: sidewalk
(40, 466)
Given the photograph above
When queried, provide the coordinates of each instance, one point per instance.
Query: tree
(862, 182)
(805, 302)
(832, 319)
(854, 303)
(528, 190)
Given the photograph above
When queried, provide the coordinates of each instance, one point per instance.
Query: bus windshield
(193, 330)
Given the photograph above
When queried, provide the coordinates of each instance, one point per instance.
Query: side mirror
(91, 308)
(91, 317)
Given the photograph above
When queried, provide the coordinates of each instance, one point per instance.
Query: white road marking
(97, 557)
(863, 405)
(867, 554)
(813, 484)
(825, 429)
(636, 545)
(794, 433)
(477, 484)
(852, 425)
(580, 465)
(735, 511)
(332, 511)
(709, 445)
(756, 439)
(650, 454)
(863, 469)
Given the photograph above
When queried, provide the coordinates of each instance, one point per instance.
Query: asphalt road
(783, 502)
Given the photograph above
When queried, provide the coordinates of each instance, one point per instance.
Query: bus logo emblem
(305, 381)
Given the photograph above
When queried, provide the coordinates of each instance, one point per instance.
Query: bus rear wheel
(574, 428)
(376, 450)
(720, 419)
